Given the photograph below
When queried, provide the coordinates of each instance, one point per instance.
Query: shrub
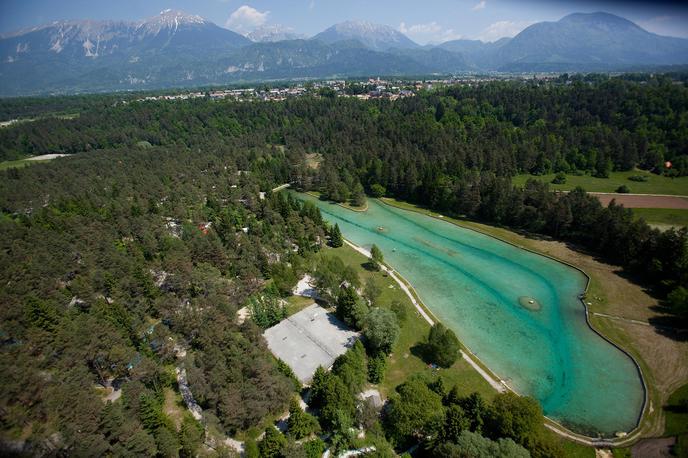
(623, 189)
(559, 178)
(638, 178)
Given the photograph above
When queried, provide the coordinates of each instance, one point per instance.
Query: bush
(559, 178)
(623, 189)
(638, 178)
(443, 346)
(476, 446)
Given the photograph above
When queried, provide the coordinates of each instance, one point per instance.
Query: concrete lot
(308, 339)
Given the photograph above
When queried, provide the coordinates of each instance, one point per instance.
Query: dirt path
(643, 200)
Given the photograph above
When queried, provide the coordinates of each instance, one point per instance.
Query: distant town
(372, 88)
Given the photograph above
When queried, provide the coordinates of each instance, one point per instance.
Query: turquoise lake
(481, 288)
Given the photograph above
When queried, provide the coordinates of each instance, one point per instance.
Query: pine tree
(336, 239)
(272, 444)
(300, 423)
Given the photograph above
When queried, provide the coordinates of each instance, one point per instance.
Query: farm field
(655, 184)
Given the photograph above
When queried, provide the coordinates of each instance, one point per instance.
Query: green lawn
(297, 303)
(655, 184)
(662, 216)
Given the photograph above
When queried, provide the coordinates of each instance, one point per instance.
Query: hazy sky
(423, 21)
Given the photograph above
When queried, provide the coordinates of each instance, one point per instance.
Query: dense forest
(453, 150)
(143, 246)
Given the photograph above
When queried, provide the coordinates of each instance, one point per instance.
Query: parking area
(310, 338)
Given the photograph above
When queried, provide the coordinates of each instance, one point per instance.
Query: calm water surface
(482, 288)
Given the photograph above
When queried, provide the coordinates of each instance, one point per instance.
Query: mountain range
(175, 49)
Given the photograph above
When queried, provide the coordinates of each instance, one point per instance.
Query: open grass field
(655, 184)
(661, 352)
(662, 217)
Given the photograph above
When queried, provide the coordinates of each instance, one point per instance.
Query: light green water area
(519, 312)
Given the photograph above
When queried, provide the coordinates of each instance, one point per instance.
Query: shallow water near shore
(517, 311)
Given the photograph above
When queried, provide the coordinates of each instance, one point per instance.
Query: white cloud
(244, 19)
(429, 32)
(480, 6)
(501, 29)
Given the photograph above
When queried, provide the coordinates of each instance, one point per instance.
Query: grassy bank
(663, 359)
(655, 184)
(662, 217)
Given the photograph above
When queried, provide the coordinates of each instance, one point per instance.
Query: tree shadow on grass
(420, 350)
(370, 266)
(669, 324)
